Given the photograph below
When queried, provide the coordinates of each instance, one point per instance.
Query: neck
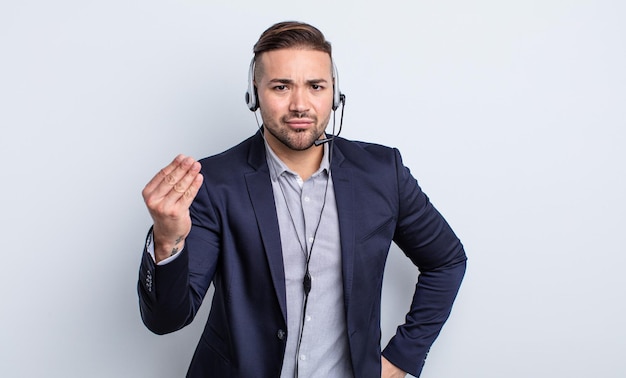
(304, 163)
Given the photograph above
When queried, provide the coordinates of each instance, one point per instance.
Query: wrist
(165, 248)
(162, 252)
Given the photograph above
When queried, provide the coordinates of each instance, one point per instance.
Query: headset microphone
(342, 101)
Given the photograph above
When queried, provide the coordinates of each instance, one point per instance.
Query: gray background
(511, 114)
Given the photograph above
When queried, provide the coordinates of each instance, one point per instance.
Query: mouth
(299, 123)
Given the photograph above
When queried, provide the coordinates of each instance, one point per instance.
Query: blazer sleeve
(171, 294)
(426, 238)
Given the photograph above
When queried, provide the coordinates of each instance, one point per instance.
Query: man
(293, 227)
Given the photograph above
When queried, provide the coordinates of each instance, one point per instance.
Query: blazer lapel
(344, 196)
(262, 197)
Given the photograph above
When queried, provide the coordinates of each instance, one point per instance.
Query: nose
(299, 100)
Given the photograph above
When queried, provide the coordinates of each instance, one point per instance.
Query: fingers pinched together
(168, 197)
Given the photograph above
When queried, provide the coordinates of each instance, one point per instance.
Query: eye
(316, 87)
(280, 88)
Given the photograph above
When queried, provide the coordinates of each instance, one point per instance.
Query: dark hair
(291, 34)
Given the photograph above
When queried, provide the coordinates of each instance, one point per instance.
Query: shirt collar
(278, 167)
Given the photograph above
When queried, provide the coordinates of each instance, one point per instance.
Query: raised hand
(168, 197)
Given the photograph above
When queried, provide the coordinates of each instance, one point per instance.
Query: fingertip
(175, 161)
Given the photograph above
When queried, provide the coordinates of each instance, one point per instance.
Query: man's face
(295, 90)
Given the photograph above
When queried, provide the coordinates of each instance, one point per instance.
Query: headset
(252, 98)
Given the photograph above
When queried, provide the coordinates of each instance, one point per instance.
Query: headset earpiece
(338, 97)
(252, 99)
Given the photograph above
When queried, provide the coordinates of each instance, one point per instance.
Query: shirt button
(311, 239)
(308, 318)
(302, 357)
(280, 334)
(306, 199)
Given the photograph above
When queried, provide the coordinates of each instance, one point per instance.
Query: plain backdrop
(511, 114)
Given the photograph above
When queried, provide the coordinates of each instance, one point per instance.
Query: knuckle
(170, 179)
(150, 202)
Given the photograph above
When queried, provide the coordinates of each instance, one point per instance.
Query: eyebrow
(289, 81)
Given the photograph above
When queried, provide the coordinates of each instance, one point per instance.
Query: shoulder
(370, 155)
(361, 146)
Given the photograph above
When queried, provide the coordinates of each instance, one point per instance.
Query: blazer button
(281, 334)
(149, 282)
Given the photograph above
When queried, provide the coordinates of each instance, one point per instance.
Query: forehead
(295, 62)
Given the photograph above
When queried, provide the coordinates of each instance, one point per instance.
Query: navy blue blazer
(235, 244)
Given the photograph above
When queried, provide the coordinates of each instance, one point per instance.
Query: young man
(293, 228)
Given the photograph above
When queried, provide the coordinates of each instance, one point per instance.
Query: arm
(163, 290)
(427, 239)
